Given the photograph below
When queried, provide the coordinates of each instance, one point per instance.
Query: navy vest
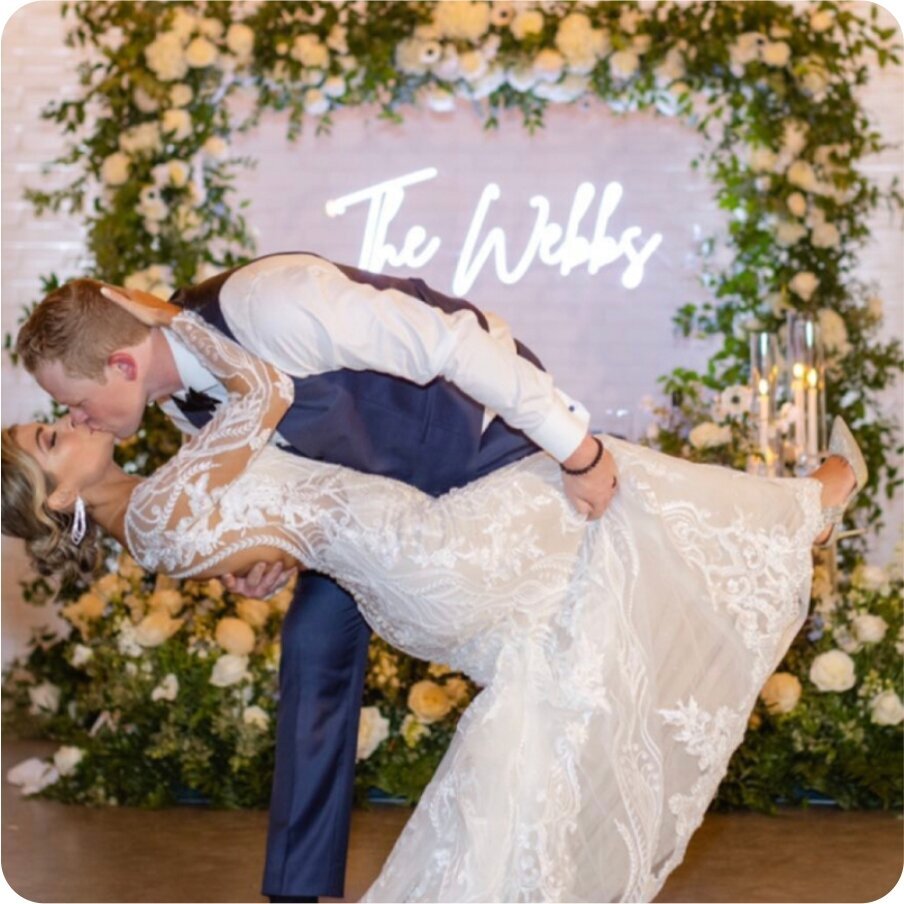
(427, 436)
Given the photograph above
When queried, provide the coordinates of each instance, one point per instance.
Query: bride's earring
(79, 521)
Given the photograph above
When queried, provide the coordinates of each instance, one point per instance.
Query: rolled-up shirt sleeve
(306, 317)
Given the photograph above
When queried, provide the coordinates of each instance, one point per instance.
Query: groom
(391, 377)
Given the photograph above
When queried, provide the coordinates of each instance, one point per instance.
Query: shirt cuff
(563, 429)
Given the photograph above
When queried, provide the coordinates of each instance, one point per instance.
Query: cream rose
(200, 53)
(624, 63)
(886, 709)
(708, 434)
(527, 22)
(178, 122)
(800, 173)
(156, 628)
(776, 53)
(804, 284)
(44, 697)
(215, 147)
(165, 57)
(67, 758)
(826, 235)
(762, 160)
(869, 628)
(168, 688)
(787, 233)
(310, 51)
(229, 669)
(833, 671)
(428, 701)
(548, 64)
(797, 204)
(834, 333)
(870, 577)
(464, 20)
(822, 20)
(234, 636)
(781, 692)
(257, 717)
(412, 730)
(115, 169)
(255, 612)
(181, 95)
(170, 601)
(456, 690)
(373, 730)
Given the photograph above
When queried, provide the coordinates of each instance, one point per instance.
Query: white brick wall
(605, 344)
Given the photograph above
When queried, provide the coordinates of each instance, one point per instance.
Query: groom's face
(114, 404)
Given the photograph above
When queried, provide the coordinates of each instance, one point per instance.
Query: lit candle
(797, 387)
(764, 418)
(812, 412)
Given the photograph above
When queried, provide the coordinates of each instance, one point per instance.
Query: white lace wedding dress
(620, 658)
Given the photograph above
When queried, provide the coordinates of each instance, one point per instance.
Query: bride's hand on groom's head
(149, 309)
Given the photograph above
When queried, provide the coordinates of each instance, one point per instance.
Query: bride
(620, 658)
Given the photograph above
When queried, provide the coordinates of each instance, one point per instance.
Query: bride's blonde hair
(26, 514)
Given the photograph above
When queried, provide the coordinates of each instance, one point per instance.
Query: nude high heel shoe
(843, 444)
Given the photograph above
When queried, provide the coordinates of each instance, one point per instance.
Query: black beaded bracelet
(591, 466)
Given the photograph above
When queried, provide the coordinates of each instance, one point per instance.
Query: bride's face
(75, 456)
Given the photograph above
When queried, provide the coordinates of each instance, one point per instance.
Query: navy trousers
(321, 681)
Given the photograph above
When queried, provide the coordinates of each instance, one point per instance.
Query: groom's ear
(125, 364)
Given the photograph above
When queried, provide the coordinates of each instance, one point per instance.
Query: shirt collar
(192, 372)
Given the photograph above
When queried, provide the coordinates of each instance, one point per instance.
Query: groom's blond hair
(78, 327)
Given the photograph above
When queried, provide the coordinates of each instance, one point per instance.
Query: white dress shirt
(306, 317)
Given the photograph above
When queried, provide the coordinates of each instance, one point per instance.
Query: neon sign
(549, 242)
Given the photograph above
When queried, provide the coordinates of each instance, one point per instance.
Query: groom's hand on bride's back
(590, 493)
(261, 581)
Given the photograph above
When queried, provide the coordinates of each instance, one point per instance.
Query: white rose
(437, 99)
(521, 78)
(886, 709)
(200, 53)
(671, 68)
(781, 692)
(568, 89)
(184, 23)
(178, 122)
(822, 20)
(870, 577)
(187, 221)
(81, 655)
(464, 20)
(579, 42)
(181, 95)
(168, 688)
(255, 612)
(794, 137)
(316, 102)
(373, 729)
(257, 717)
(428, 701)
(156, 628)
(408, 57)
(170, 601)
(337, 39)
(229, 669)
(144, 101)
(826, 235)
(624, 63)
(833, 671)
(32, 775)
(165, 57)
(67, 758)
(310, 51)
(776, 53)
(488, 83)
(746, 48)
(813, 75)
(708, 434)
(44, 697)
(215, 147)
(548, 64)
(334, 86)
(527, 22)
(797, 204)
(804, 284)
(870, 628)
(235, 636)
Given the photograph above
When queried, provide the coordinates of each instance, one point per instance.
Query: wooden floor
(53, 852)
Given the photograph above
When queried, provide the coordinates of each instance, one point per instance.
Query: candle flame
(798, 370)
(764, 387)
(813, 377)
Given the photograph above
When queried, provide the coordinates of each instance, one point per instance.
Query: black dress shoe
(287, 899)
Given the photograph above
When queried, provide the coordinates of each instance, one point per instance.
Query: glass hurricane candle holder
(764, 380)
(804, 378)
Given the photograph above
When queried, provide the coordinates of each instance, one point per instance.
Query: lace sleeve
(191, 484)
